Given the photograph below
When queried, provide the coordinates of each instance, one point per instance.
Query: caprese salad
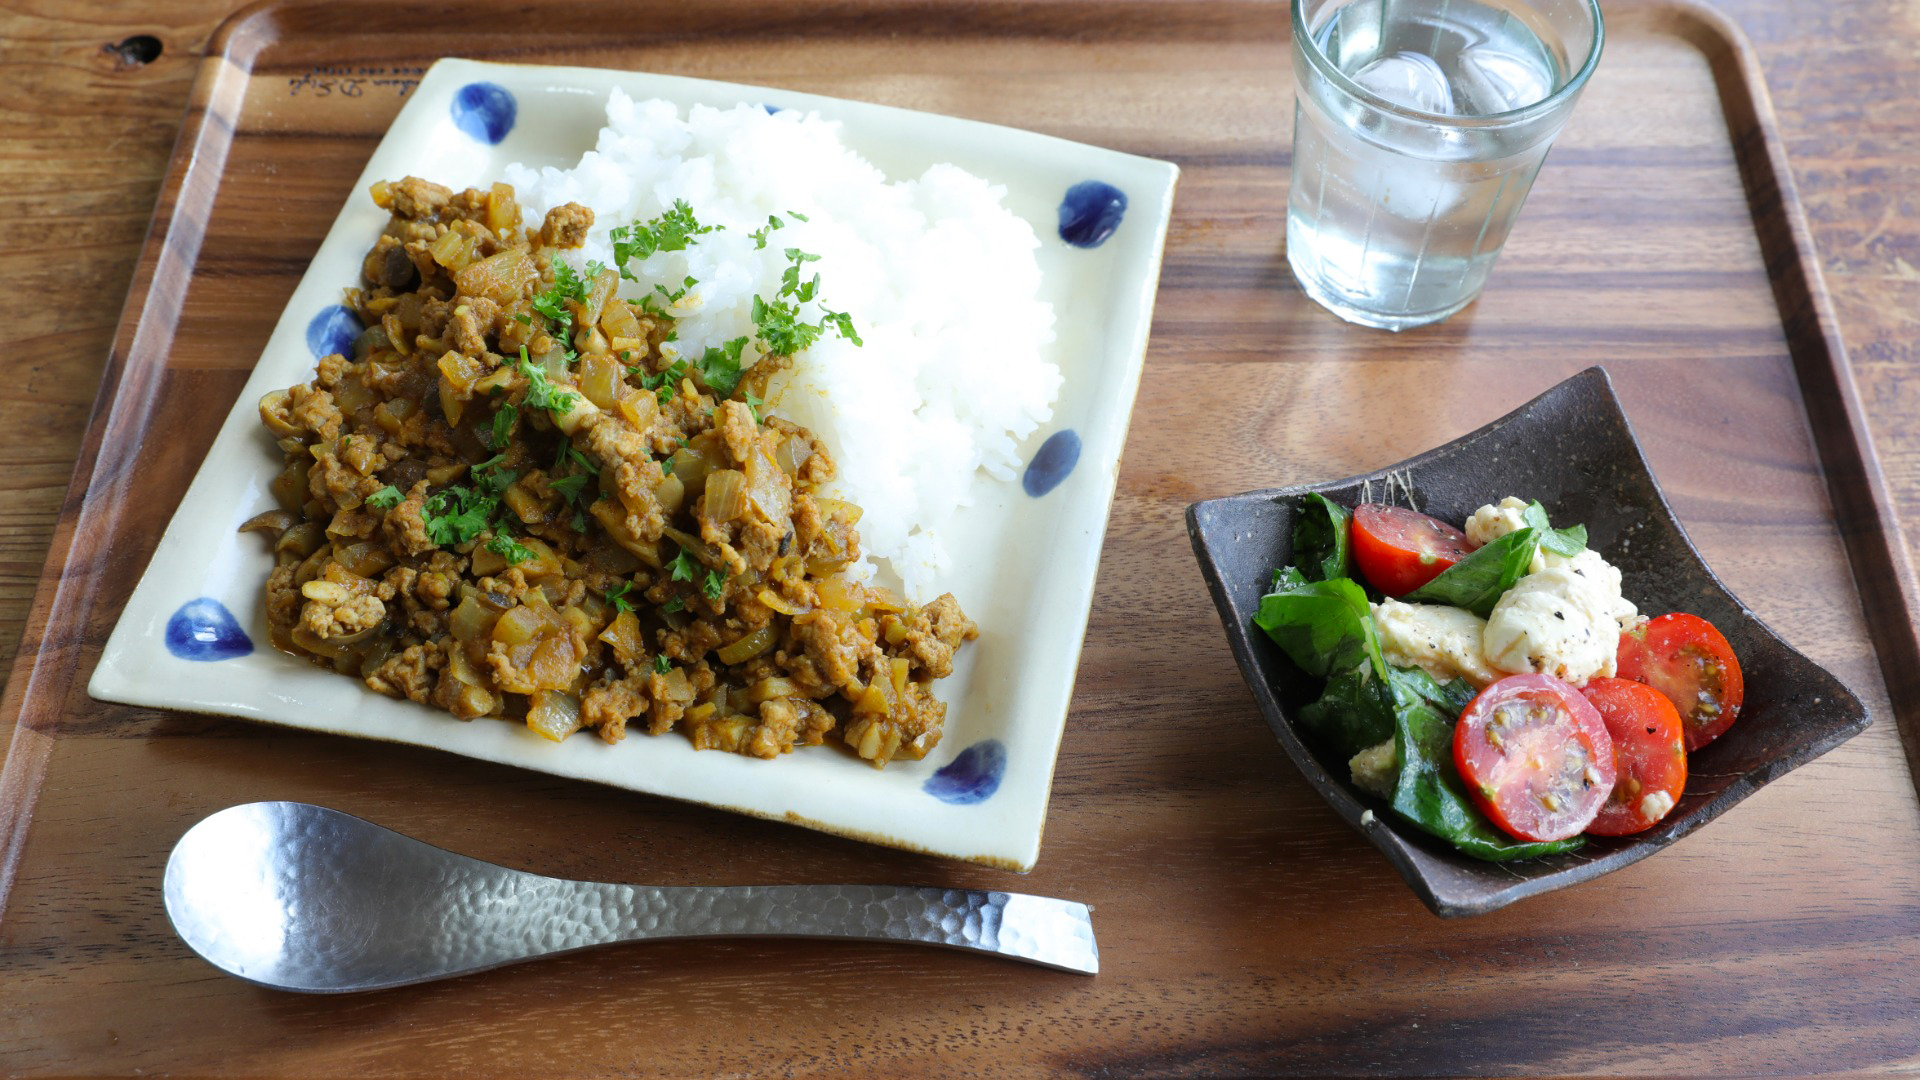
(1491, 683)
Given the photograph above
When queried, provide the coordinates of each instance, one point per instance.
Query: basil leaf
(1412, 686)
(1325, 626)
(1354, 712)
(1477, 581)
(1564, 542)
(1430, 794)
(1321, 540)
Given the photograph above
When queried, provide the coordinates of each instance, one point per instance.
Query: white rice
(940, 278)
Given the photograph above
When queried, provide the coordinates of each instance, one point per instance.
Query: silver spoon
(299, 897)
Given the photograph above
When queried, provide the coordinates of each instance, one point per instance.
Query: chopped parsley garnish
(720, 366)
(843, 324)
(567, 285)
(667, 383)
(716, 584)
(760, 235)
(681, 567)
(541, 393)
(753, 404)
(569, 455)
(671, 376)
(790, 284)
(491, 477)
(780, 329)
(456, 515)
(552, 303)
(668, 232)
(509, 549)
(661, 664)
(386, 497)
(798, 216)
(523, 319)
(580, 471)
(503, 420)
(678, 603)
(570, 487)
(666, 466)
(617, 596)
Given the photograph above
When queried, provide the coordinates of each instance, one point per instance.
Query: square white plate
(1024, 563)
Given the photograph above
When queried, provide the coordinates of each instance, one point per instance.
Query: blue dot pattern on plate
(485, 111)
(771, 109)
(332, 331)
(1052, 462)
(204, 629)
(972, 777)
(1091, 212)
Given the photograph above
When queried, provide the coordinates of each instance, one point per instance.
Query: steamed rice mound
(939, 277)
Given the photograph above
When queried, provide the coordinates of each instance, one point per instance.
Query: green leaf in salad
(1325, 626)
(1354, 712)
(1322, 540)
(1478, 581)
(1359, 709)
(1563, 542)
(1414, 686)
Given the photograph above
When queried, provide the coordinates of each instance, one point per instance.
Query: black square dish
(1572, 449)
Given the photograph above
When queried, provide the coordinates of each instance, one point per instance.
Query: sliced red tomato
(1685, 658)
(1399, 550)
(1649, 755)
(1536, 757)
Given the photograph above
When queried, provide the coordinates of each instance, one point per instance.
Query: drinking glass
(1418, 128)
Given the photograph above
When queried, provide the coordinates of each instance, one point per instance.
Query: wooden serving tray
(1243, 928)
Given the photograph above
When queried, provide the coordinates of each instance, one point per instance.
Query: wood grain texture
(1245, 930)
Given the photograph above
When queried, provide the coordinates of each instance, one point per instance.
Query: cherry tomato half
(1536, 757)
(1399, 550)
(1649, 753)
(1685, 658)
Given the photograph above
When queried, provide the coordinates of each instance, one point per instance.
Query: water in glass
(1395, 220)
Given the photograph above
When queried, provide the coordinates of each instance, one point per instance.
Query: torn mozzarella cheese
(1655, 805)
(1490, 523)
(1563, 620)
(1376, 769)
(1445, 642)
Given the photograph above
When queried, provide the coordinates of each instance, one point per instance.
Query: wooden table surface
(87, 125)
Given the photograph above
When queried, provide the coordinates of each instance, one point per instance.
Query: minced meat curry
(511, 501)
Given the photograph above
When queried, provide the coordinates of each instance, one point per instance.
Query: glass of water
(1418, 128)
